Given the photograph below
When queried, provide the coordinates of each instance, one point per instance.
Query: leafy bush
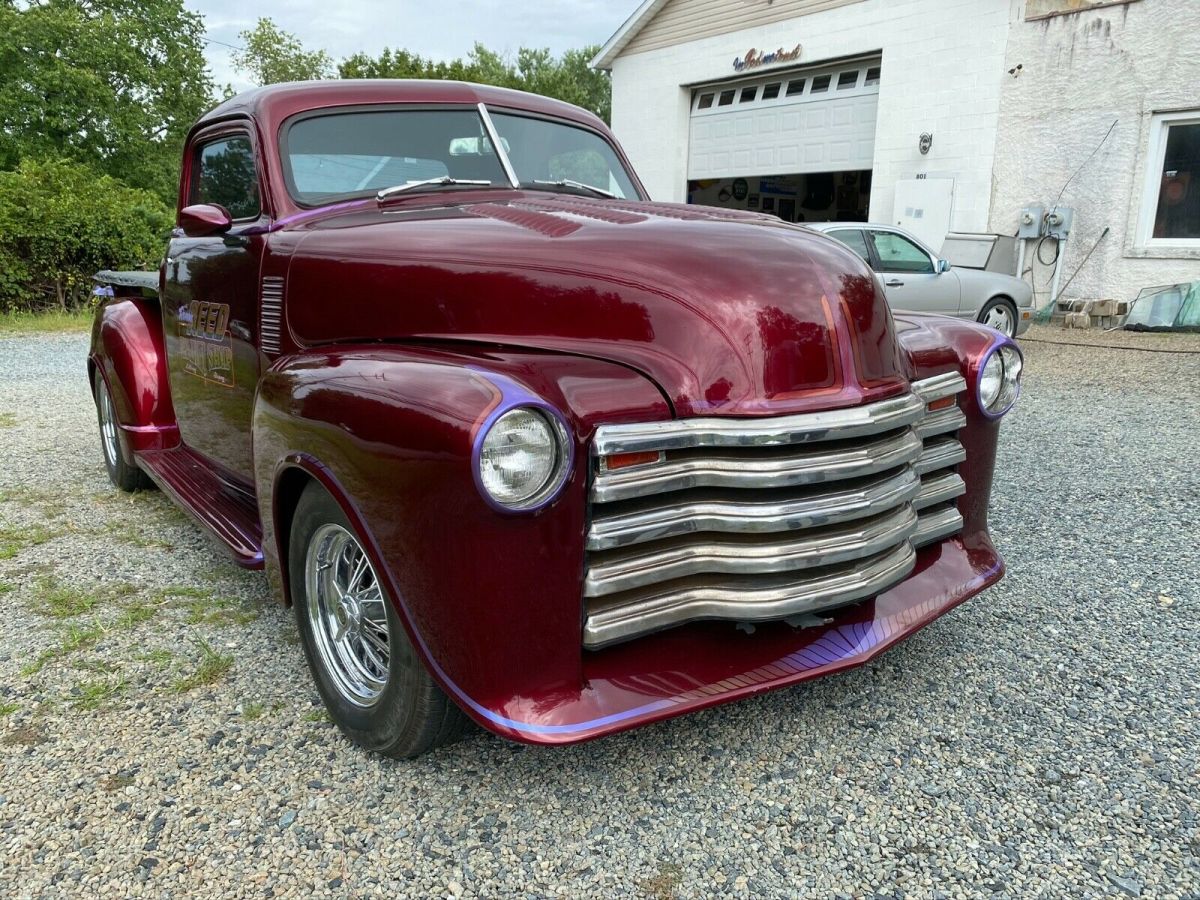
(60, 223)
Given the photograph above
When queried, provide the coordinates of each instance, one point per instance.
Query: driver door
(910, 275)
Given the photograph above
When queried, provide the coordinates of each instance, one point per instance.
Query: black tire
(112, 443)
(410, 714)
(1008, 311)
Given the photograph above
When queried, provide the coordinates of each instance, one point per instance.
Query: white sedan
(917, 279)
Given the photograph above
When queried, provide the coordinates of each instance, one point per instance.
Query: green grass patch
(7, 420)
(316, 715)
(220, 611)
(136, 613)
(212, 667)
(49, 322)
(14, 540)
(7, 709)
(160, 658)
(63, 601)
(94, 694)
(75, 638)
(136, 537)
(6, 587)
(254, 710)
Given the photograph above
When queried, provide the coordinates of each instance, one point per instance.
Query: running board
(229, 514)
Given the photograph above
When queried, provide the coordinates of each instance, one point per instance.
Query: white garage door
(820, 120)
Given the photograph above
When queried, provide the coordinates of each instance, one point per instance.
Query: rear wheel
(1001, 314)
(373, 683)
(125, 476)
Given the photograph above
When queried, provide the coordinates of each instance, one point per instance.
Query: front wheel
(1001, 314)
(125, 476)
(374, 685)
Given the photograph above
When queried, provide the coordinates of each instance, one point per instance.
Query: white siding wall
(1079, 73)
(942, 62)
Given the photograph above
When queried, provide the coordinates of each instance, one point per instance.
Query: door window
(225, 175)
(853, 238)
(898, 254)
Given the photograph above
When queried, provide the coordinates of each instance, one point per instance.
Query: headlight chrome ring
(998, 383)
(522, 453)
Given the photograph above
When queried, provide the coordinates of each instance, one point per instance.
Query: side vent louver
(272, 313)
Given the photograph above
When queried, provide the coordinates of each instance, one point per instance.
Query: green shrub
(60, 222)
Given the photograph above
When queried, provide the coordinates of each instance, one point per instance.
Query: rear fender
(127, 350)
(491, 600)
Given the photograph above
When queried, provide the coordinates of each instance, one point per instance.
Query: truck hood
(728, 313)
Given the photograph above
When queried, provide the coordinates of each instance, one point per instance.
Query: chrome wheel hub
(108, 426)
(1000, 318)
(346, 613)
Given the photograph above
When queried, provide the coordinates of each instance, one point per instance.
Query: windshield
(547, 151)
(341, 155)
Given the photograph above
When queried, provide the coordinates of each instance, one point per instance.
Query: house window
(1170, 212)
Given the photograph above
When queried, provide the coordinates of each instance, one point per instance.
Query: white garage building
(938, 115)
(814, 109)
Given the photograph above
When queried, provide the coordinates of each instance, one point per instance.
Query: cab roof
(272, 104)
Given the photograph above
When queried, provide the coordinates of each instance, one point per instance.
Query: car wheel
(1001, 314)
(373, 683)
(125, 476)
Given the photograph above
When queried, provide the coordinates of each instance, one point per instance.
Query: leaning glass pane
(1178, 213)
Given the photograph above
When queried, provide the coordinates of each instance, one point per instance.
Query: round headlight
(991, 382)
(1000, 380)
(522, 459)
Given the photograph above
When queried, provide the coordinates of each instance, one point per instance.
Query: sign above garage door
(800, 121)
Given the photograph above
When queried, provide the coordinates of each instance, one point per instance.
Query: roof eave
(623, 35)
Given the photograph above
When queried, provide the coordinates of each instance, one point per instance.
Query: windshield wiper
(579, 185)
(428, 182)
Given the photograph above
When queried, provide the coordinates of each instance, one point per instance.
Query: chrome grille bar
(636, 567)
(826, 508)
(856, 421)
(734, 470)
(763, 518)
(759, 599)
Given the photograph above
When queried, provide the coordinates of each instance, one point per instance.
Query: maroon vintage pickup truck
(522, 447)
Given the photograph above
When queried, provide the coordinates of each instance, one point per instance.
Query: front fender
(936, 344)
(491, 600)
(127, 349)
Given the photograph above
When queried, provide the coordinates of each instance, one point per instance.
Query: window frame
(216, 135)
(1156, 151)
(868, 244)
(872, 233)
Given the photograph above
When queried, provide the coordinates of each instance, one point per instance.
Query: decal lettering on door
(206, 347)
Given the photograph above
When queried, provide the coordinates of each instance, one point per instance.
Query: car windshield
(342, 155)
(548, 154)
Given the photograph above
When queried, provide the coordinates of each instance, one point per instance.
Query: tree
(273, 55)
(113, 84)
(569, 77)
(60, 223)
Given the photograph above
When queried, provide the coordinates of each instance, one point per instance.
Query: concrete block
(1122, 307)
(1103, 308)
(1078, 320)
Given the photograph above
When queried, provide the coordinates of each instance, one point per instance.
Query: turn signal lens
(625, 460)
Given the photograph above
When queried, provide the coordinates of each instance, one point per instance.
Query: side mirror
(943, 265)
(204, 219)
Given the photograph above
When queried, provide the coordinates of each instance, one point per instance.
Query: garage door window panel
(898, 254)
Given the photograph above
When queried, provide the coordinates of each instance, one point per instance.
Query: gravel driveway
(160, 735)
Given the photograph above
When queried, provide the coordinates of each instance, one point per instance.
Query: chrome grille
(755, 519)
(272, 313)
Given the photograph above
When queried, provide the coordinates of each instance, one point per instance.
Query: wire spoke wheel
(346, 614)
(108, 425)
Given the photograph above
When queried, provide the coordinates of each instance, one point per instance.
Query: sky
(442, 30)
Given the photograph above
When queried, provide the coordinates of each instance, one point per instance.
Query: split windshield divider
(498, 146)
